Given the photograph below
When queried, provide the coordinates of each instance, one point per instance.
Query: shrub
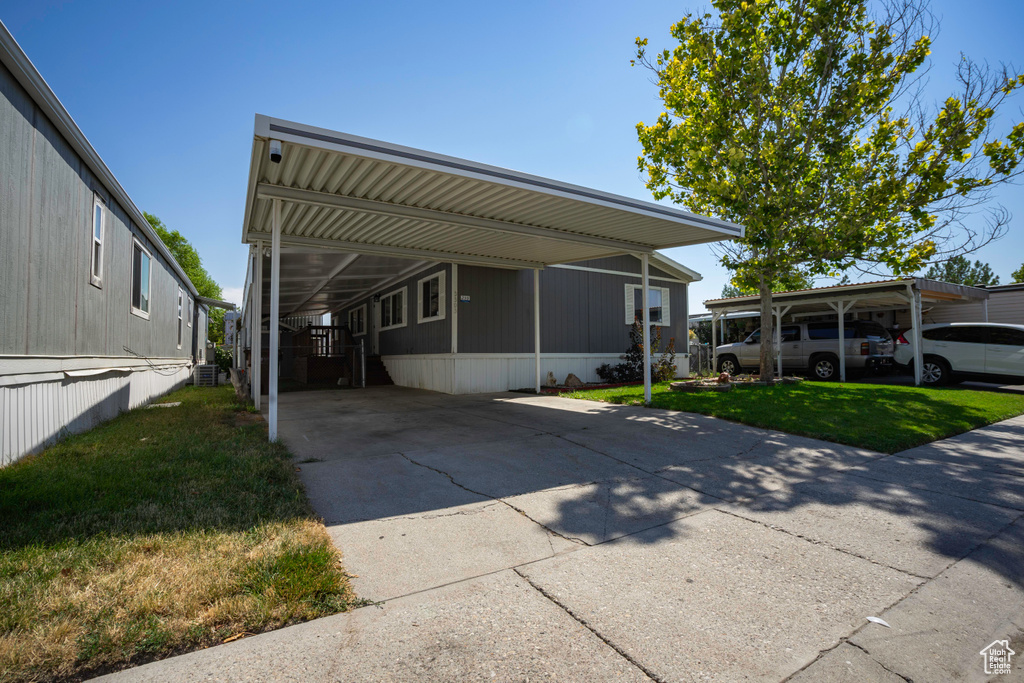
(663, 368)
(225, 358)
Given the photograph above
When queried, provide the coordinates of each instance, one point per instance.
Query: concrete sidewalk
(519, 537)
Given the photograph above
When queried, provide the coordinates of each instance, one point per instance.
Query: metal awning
(863, 295)
(355, 194)
(339, 210)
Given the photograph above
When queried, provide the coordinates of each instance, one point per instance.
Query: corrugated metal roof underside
(346, 175)
(312, 284)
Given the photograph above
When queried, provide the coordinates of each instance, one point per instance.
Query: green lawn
(882, 418)
(160, 531)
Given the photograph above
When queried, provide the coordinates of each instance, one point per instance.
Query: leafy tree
(788, 283)
(1018, 275)
(800, 119)
(188, 258)
(959, 270)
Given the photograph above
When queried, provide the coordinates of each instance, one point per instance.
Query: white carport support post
(714, 344)
(842, 308)
(536, 329)
(257, 325)
(646, 284)
(275, 318)
(779, 312)
(915, 312)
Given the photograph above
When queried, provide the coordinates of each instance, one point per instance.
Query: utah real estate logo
(997, 657)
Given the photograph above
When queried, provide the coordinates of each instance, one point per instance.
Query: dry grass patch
(159, 532)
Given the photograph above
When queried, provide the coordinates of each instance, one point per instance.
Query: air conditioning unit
(206, 376)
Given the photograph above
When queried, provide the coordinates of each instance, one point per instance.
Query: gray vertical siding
(16, 138)
(581, 311)
(429, 337)
(48, 306)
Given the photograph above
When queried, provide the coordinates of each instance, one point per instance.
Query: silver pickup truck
(814, 347)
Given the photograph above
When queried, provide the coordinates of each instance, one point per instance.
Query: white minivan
(955, 351)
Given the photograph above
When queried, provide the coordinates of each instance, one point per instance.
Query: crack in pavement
(826, 544)
(585, 624)
(894, 673)
(571, 539)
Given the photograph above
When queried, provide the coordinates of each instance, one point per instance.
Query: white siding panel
(33, 416)
(1003, 307)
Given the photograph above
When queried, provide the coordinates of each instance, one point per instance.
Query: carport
(342, 215)
(840, 300)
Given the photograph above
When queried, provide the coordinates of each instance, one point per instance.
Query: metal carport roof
(354, 194)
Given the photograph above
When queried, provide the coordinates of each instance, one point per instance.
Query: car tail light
(901, 339)
(865, 348)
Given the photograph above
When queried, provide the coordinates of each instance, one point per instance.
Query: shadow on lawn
(199, 466)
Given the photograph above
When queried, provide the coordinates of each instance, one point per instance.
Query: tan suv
(815, 347)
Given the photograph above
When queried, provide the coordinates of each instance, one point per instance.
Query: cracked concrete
(519, 537)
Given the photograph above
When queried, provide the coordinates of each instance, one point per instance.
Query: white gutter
(15, 59)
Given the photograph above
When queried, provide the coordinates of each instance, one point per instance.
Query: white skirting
(34, 414)
(476, 373)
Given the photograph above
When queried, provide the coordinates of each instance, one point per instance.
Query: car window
(820, 331)
(1006, 336)
(755, 336)
(872, 330)
(790, 333)
(967, 335)
(937, 334)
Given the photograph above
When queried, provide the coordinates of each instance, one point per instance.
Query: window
(967, 335)
(790, 333)
(190, 311)
(180, 326)
(824, 331)
(357, 321)
(1006, 336)
(392, 310)
(98, 218)
(430, 305)
(658, 300)
(141, 267)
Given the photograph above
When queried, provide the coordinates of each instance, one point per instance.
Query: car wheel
(825, 368)
(728, 364)
(934, 371)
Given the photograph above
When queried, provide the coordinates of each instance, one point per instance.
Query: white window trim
(354, 310)
(405, 309)
(191, 312)
(440, 294)
(666, 305)
(181, 315)
(97, 280)
(149, 285)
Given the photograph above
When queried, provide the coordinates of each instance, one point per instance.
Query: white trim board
(616, 272)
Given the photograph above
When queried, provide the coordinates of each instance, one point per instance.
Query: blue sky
(167, 92)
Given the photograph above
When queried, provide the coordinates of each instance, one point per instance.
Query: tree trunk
(767, 330)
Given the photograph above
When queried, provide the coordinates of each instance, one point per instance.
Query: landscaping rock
(694, 386)
(573, 382)
(551, 381)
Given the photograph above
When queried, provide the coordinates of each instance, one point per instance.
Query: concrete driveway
(514, 537)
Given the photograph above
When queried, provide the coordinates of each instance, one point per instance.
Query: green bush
(225, 358)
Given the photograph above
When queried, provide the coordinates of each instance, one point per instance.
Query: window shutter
(440, 295)
(419, 300)
(666, 308)
(630, 311)
(405, 308)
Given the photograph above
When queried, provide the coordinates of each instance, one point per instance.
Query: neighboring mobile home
(96, 317)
